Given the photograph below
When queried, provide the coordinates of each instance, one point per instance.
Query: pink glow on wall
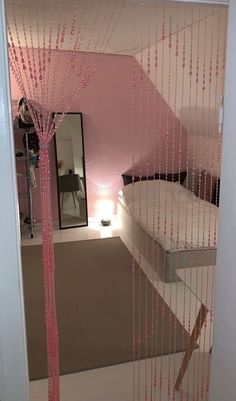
(109, 140)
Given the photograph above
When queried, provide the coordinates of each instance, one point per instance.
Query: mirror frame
(84, 183)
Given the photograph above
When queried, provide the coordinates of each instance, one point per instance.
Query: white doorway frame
(14, 382)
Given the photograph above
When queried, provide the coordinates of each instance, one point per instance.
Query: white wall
(13, 358)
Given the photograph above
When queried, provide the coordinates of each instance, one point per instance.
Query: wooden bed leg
(194, 337)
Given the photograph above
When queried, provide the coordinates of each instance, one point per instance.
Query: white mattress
(174, 216)
(171, 226)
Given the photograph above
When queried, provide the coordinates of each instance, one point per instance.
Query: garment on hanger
(23, 123)
(33, 182)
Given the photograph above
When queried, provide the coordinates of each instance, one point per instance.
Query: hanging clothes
(23, 122)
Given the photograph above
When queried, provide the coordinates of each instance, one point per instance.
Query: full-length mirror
(71, 177)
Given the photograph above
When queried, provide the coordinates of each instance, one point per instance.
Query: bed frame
(163, 263)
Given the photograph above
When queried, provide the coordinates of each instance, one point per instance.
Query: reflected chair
(69, 183)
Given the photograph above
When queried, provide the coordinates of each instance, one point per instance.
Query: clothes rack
(28, 193)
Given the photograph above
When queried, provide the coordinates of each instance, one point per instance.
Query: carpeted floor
(94, 302)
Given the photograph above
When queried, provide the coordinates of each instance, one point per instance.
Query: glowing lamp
(105, 211)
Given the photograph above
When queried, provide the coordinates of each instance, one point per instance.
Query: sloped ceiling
(37, 17)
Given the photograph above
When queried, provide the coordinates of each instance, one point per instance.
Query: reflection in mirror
(71, 177)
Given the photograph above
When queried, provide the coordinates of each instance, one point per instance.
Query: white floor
(116, 383)
(93, 231)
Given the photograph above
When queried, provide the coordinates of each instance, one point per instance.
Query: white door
(13, 357)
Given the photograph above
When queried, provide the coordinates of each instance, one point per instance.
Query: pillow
(207, 187)
(175, 177)
(192, 182)
(128, 179)
(207, 191)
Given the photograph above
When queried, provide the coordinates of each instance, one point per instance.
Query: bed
(169, 225)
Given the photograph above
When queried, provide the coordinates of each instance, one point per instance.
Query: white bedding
(172, 215)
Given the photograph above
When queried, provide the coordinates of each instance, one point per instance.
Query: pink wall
(107, 109)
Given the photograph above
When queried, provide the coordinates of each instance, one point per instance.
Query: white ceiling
(148, 21)
(105, 25)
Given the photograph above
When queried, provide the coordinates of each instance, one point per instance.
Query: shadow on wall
(200, 121)
(203, 137)
(162, 151)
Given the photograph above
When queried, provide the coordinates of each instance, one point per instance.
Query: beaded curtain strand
(194, 160)
(183, 69)
(133, 128)
(148, 313)
(185, 83)
(155, 292)
(169, 165)
(209, 222)
(141, 330)
(201, 212)
(35, 58)
(161, 217)
(183, 86)
(179, 150)
(187, 176)
(156, 216)
(219, 90)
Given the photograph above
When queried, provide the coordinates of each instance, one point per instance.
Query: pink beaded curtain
(177, 88)
(54, 49)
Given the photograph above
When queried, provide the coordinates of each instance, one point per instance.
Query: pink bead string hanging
(184, 67)
(162, 218)
(169, 161)
(146, 133)
(187, 176)
(39, 43)
(148, 313)
(156, 214)
(201, 211)
(209, 123)
(183, 70)
(218, 94)
(180, 66)
(133, 104)
(198, 93)
(140, 328)
(175, 149)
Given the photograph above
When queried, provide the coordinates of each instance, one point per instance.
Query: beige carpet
(94, 301)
